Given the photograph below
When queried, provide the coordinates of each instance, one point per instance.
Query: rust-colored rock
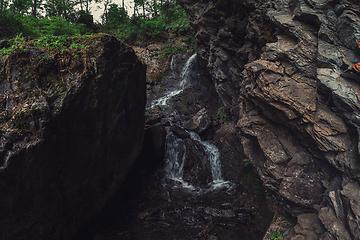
(283, 69)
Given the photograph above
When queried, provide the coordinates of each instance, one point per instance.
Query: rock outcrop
(283, 68)
(71, 126)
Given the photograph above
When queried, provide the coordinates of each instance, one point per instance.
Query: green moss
(91, 38)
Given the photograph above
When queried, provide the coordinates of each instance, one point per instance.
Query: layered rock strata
(284, 70)
(71, 127)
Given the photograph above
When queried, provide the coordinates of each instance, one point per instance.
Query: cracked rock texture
(70, 130)
(283, 69)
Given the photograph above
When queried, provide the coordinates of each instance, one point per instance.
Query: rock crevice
(284, 69)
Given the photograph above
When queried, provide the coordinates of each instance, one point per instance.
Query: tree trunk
(155, 8)
(34, 8)
(143, 5)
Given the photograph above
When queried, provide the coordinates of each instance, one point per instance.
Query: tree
(61, 8)
(115, 15)
(106, 4)
(3, 5)
(139, 4)
(20, 6)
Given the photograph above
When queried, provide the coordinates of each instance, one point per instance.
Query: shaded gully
(176, 190)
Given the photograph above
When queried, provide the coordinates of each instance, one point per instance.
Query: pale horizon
(97, 12)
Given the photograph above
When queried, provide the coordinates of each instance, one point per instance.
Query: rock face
(70, 129)
(283, 69)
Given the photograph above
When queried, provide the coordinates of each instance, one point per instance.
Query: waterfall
(175, 153)
(187, 74)
(188, 77)
(175, 148)
(213, 155)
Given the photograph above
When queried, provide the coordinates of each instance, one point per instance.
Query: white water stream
(186, 81)
(175, 148)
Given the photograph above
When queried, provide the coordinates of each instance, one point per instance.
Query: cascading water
(213, 155)
(187, 79)
(175, 153)
(175, 150)
(188, 197)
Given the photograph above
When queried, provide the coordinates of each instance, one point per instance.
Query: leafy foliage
(160, 23)
(277, 234)
(221, 112)
(115, 16)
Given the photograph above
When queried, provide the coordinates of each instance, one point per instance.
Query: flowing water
(188, 77)
(175, 153)
(168, 203)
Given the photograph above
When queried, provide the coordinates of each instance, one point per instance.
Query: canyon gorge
(261, 121)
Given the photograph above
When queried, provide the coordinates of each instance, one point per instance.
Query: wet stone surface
(181, 194)
(152, 208)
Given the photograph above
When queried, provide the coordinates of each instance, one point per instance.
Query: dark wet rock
(71, 129)
(147, 213)
(301, 185)
(195, 98)
(153, 150)
(154, 116)
(232, 153)
(197, 169)
(179, 131)
(199, 123)
(225, 213)
(283, 69)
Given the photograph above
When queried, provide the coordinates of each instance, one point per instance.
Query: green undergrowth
(53, 60)
(64, 45)
(276, 235)
(170, 22)
(221, 112)
(29, 26)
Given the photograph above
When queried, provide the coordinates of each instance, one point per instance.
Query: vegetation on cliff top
(152, 20)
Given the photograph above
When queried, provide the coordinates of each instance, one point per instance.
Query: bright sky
(98, 9)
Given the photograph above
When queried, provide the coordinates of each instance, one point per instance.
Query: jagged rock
(70, 130)
(232, 155)
(282, 68)
(351, 192)
(308, 227)
(154, 116)
(197, 170)
(199, 123)
(179, 131)
(335, 226)
(225, 213)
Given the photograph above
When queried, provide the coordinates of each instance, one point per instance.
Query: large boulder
(72, 124)
(284, 69)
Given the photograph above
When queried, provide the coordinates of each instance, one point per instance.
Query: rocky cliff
(284, 69)
(72, 123)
